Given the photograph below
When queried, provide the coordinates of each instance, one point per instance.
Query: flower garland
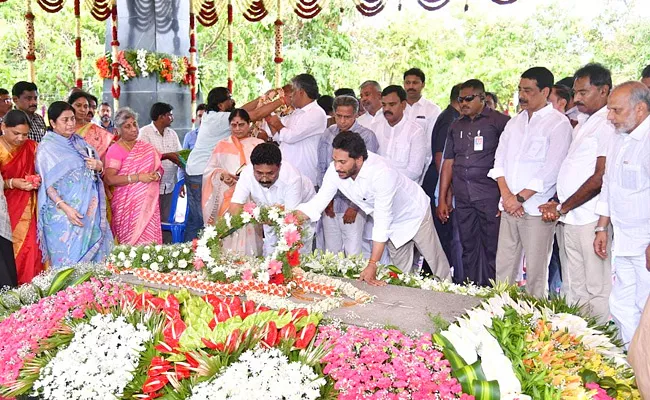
(142, 63)
(97, 364)
(262, 374)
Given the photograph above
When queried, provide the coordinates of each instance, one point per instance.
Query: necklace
(129, 148)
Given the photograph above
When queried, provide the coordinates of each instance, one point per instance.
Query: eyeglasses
(469, 98)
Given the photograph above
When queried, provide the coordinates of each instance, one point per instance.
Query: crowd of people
(557, 192)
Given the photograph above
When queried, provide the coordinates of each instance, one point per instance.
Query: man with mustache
(270, 181)
(399, 206)
(25, 97)
(623, 201)
(105, 113)
(587, 277)
(531, 149)
(401, 140)
(469, 155)
(343, 223)
(370, 99)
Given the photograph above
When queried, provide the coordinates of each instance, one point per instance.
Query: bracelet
(137, 177)
(57, 203)
(600, 229)
(11, 183)
(128, 178)
(372, 262)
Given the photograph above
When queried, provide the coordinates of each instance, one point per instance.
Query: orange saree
(22, 210)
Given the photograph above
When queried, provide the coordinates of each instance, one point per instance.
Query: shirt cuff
(602, 208)
(278, 137)
(309, 211)
(536, 185)
(495, 173)
(379, 235)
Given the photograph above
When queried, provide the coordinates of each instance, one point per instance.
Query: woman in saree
(133, 169)
(17, 164)
(99, 138)
(72, 225)
(220, 177)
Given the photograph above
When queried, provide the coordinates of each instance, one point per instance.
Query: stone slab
(409, 309)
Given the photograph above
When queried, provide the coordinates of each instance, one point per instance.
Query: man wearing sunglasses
(472, 141)
(531, 149)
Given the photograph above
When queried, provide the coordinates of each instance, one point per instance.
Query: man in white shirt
(370, 99)
(624, 201)
(587, 278)
(531, 149)
(399, 206)
(343, 223)
(401, 141)
(166, 141)
(299, 132)
(419, 109)
(270, 181)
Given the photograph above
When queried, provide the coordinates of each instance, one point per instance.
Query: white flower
(186, 250)
(161, 258)
(182, 264)
(175, 253)
(121, 256)
(209, 232)
(127, 264)
(145, 257)
(158, 247)
(228, 219)
(154, 267)
(132, 253)
(263, 277)
(246, 217)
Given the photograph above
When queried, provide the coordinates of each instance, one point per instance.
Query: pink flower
(291, 237)
(249, 207)
(275, 267)
(198, 263)
(290, 219)
(247, 275)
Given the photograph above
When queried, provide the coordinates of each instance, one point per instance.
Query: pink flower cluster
(386, 364)
(600, 394)
(21, 332)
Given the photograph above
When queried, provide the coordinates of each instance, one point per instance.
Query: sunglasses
(469, 98)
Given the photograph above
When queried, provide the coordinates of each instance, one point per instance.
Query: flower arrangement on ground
(142, 63)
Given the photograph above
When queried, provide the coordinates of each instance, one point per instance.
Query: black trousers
(8, 275)
(479, 233)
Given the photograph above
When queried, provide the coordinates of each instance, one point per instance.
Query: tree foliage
(342, 49)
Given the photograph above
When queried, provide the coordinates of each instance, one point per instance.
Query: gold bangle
(11, 183)
(128, 178)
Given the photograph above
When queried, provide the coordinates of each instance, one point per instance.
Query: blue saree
(60, 162)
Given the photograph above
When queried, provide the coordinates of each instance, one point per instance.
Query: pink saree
(136, 213)
(229, 156)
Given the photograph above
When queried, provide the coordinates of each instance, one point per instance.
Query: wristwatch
(520, 198)
(600, 229)
(559, 210)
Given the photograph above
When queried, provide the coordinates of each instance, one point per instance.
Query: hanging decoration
(51, 6)
(208, 15)
(256, 11)
(278, 47)
(230, 45)
(77, 44)
(31, 55)
(115, 44)
(100, 9)
(369, 8)
(432, 5)
(191, 67)
(503, 2)
(307, 9)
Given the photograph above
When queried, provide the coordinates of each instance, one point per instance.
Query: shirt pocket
(401, 155)
(631, 177)
(537, 149)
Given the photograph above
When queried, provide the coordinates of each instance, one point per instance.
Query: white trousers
(629, 294)
(367, 243)
(343, 237)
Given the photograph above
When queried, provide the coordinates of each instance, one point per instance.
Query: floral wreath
(142, 63)
(220, 272)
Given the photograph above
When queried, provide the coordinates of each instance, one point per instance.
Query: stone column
(153, 25)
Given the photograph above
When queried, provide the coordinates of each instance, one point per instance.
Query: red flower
(293, 258)
(278, 279)
(393, 275)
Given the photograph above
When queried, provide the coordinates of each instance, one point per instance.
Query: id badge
(478, 143)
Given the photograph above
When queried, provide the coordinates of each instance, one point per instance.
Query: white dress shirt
(625, 196)
(404, 145)
(166, 143)
(214, 127)
(300, 136)
(397, 204)
(530, 153)
(591, 139)
(290, 189)
(425, 113)
(366, 120)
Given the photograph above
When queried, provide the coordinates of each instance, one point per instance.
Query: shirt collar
(365, 170)
(642, 130)
(309, 106)
(543, 111)
(156, 129)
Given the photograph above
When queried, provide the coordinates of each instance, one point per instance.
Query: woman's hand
(229, 179)
(148, 178)
(73, 215)
(23, 184)
(94, 164)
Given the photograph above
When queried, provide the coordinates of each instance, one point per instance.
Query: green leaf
(59, 281)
